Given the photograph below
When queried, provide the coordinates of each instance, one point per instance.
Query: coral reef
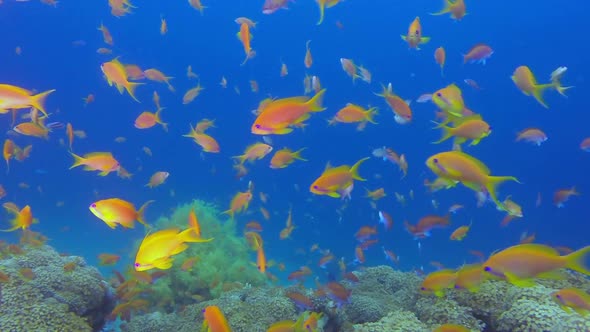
(386, 300)
(247, 310)
(395, 321)
(47, 292)
(379, 290)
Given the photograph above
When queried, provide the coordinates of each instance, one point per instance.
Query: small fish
(157, 179)
(115, 211)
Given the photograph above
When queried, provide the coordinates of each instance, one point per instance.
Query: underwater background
(53, 45)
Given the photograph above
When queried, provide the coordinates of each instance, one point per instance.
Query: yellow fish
(156, 249)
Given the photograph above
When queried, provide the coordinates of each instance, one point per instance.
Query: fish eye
(257, 126)
(93, 205)
(438, 94)
(490, 128)
(487, 269)
(137, 265)
(558, 296)
(315, 187)
(435, 160)
(203, 311)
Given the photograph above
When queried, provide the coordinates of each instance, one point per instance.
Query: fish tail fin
(229, 212)
(492, 184)
(297, 154)
(538, 93)
(315, 103)
(579, 260)
(189, 235)
(78, 161)
(240, 158)
(159, 120)
(141, 211)
(38, 101)
(355, 168)
(371, 113)
(447, 132)
(561, 89)
(130, 87)
(322, 10)
(15, 225)
(446, 9)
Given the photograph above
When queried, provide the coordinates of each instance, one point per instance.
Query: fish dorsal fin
(333, 170)
(328, 166)
(540, 248)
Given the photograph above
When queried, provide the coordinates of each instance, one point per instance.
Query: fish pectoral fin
(179, 249)
(513, 279)
(439, 293)
(111, 224)
(104, 173)
(283, 131)
(163, 263)
(424, 40)
(333, 194)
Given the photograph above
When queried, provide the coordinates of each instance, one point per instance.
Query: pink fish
(478, 54)
(271, 6)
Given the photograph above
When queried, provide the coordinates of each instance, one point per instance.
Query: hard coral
(395, 321)
(436, 311)
(379, 290)
(54, 300)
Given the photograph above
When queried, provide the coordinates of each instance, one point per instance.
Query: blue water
(542, 36)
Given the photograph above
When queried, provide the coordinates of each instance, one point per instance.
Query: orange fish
(157, 76)
(261, 259)
(278, 116)
(33, 129)
(214, 320)
(323, 4)
(337, 181)
(524, 79)
(472, 173)
(23, 218)
(239, 203)
(352, 113)
(108, 259)
(460, 233)
(308, 60)
(115, 211)
(470, 277)
(253, 152)
(414, 37)
(13, 97)
(157, 179)
(245, 37)
(8, 152)
(563, 195)
(440, 57)
(573, 298)
(106, 35)
(451, 327)
(350, 68)
(520, 264)
(97, 161)
(436, 282)
(115, 74)
(70, 133)
(455, 7)
(285, 157)
(148, 119)
(401, 108)
(208, 143)
(191, 94)
(472, 128)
